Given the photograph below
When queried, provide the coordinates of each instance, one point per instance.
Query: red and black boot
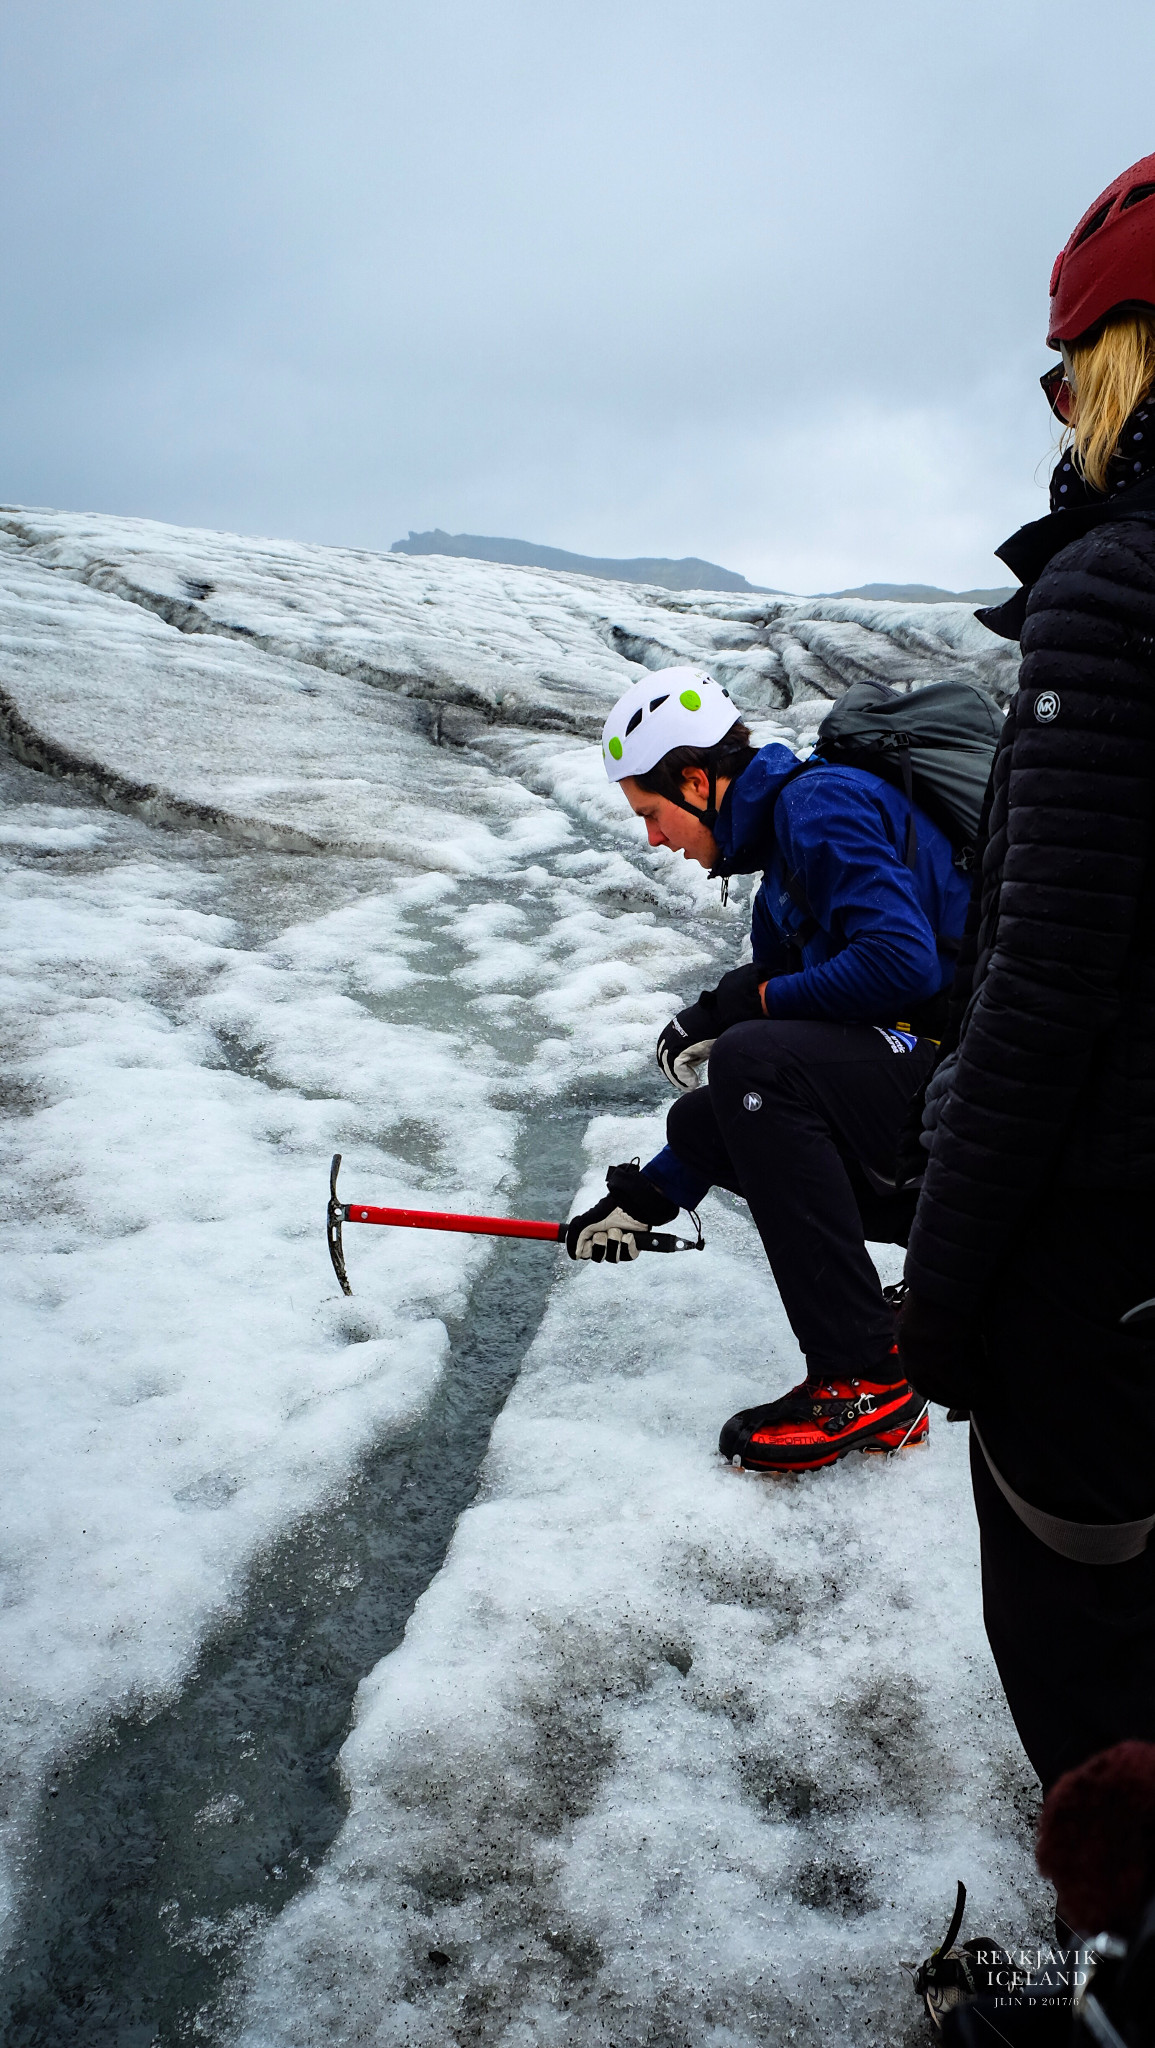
(819, 1421)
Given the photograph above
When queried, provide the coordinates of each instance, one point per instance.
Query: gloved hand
(941, 1354)
(610, 1229)
(686, 1041)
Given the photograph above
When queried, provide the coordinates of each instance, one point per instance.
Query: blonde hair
(1113, 374)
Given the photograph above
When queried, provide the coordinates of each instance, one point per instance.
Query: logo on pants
(751, 1101)
(898, 1041)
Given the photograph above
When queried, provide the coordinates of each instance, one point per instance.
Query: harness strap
(1081, 1542)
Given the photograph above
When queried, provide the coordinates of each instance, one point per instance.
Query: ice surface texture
(669, 1754)
(304, 850)
(466, 643)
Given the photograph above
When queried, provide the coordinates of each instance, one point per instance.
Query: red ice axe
(479, 1226)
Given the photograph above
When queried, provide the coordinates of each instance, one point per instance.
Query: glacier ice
(669, 1753)
(308, 849)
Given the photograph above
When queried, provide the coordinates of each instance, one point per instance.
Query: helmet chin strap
(708, 817)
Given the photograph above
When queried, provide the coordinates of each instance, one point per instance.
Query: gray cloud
(759, 282)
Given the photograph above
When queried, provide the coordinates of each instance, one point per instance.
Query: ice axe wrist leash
(478, 1226)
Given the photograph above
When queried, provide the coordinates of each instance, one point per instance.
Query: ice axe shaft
(477, 1226)
(439, 1219)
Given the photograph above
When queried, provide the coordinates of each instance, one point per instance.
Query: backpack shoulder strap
(794, 885)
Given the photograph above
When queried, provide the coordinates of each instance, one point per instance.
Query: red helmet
(1108, 265)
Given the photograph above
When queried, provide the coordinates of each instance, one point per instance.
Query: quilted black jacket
(1054, 1000)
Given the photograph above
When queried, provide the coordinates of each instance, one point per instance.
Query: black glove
(610, 1229)
(688, 1037)
(941, 1354)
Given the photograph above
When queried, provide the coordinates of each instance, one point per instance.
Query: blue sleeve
(864, 898)
(677, 1181)
(767, 944)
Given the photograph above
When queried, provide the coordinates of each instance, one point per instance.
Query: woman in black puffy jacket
(1034, 1237)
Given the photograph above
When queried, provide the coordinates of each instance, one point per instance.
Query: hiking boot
(903, 1439)
(819, 1421)
(787, 1407)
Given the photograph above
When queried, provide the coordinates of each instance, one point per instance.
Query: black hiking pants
(797, 1118)
(1070, 1423)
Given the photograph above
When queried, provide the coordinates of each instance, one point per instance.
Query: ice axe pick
(479, 1226)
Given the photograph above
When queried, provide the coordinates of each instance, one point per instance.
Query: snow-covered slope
(306, 849)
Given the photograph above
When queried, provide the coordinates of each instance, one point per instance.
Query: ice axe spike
(479, 1226)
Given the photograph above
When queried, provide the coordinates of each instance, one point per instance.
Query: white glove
(680, 1056)
(610, 1230)
(612, 1237)
(686, 1042)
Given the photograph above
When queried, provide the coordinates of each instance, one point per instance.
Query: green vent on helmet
(681, 707)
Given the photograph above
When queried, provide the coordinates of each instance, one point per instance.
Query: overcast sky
(760, 280)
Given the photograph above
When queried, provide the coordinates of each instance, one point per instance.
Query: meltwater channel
(145, 1880)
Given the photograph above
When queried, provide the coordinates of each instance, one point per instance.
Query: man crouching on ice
(815, 1052)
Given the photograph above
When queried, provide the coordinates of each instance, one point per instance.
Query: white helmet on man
(672, 707)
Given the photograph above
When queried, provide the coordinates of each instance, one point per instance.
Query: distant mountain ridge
(690, 573)
(922, 593)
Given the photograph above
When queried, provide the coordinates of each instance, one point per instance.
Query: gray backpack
(936, 744)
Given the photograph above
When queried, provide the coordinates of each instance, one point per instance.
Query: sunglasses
(1057, 392)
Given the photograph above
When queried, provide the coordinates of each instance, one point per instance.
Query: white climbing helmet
(672, 707)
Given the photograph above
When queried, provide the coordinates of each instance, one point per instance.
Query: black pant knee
(744, 1050)
(691, 1125)
(693, 1134)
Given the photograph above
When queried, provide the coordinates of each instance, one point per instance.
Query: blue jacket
(882, 939)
